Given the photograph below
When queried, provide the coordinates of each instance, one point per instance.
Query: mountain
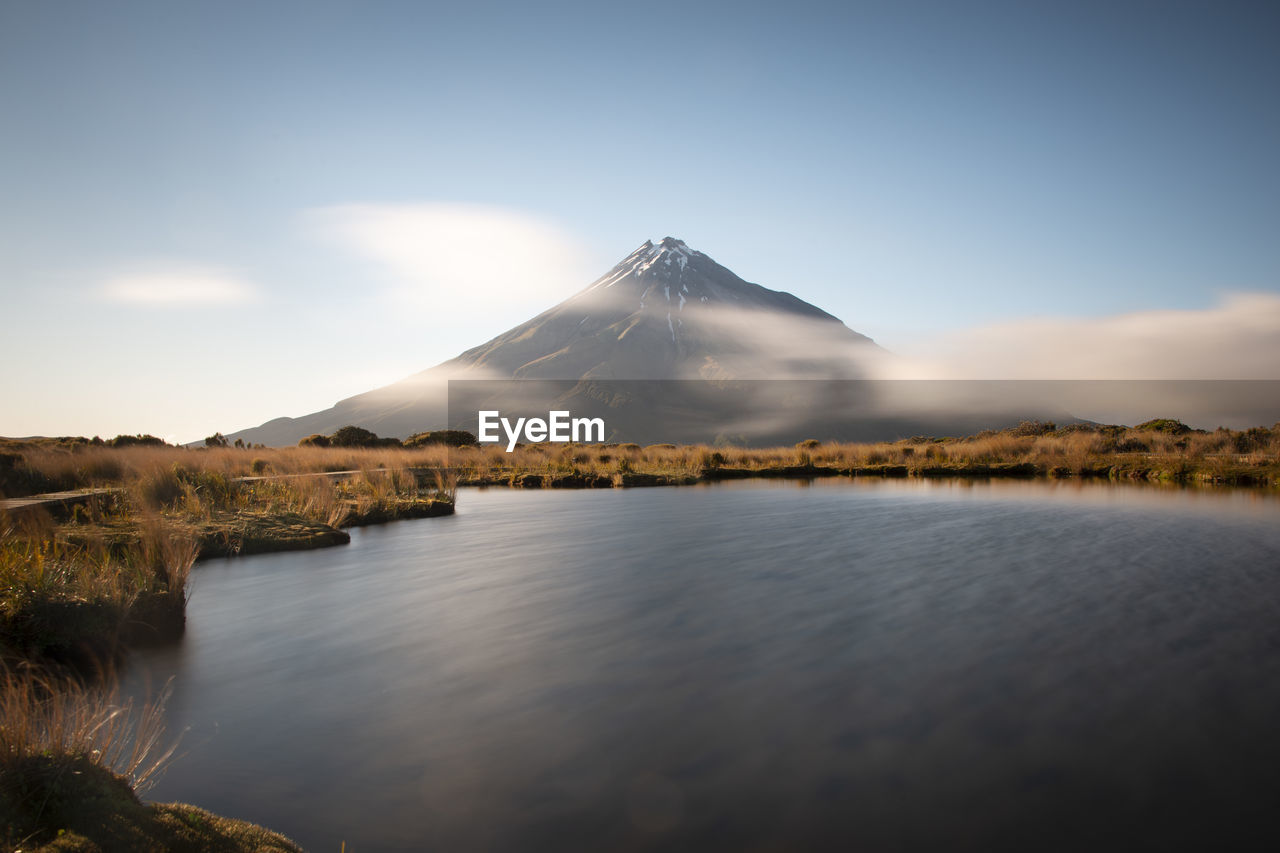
(664, 312)
(669, 312)
(669, 345)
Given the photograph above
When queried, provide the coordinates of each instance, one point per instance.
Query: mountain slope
(664, 312)
(667, 312)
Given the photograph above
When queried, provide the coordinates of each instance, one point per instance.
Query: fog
(1239, 338)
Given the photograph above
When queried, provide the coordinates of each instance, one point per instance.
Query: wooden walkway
(52, 499)
(58, 500)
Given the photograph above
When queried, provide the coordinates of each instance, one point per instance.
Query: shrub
(353, 436)
(1083, 426)
(1168, 426)
(139, 440)
(1254, 438)
(314, 440)
(1034, 428)
(447, 437)
(710, 459)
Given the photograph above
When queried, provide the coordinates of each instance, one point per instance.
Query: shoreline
(1179, 475)
(61, 648)
(161, 518)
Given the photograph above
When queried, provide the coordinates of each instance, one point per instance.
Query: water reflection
(879, 665)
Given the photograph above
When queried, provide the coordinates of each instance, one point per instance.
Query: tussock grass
(73, 759)
(77, 604)
(112, 568)
(51, 719)
(73, 591)
(112, 572)
(1223, 456)
(201, 484)
(36, 468)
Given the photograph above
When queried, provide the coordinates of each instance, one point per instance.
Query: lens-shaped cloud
(1237, 339)
(174, 286)
(452, 256)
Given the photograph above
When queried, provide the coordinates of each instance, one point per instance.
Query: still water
(749, 666)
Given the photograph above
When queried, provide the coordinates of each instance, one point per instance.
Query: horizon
(222, 214)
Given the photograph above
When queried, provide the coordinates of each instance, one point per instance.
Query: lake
(870, 665)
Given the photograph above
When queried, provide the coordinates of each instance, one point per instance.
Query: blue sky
(212, 214)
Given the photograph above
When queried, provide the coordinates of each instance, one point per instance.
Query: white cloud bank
(175, 285)
(1237, 339)
(459, 256)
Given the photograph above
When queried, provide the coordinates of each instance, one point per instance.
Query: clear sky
(212, 214)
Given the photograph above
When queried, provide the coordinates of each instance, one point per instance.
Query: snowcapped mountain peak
(665, 311)
(666, 259)
(669, 255)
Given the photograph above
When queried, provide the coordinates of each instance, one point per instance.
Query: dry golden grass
(199, 482)
(73, 759)
(75, 593)
(122, 558)
(53, 718)
(77, 603)
(1116, 452)
(153, 468)
(34, 562)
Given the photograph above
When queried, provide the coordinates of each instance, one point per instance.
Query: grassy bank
(1164, 451)
(83, 580)
(72, 761)
(57, 464)
(77, 606)
(110, 570)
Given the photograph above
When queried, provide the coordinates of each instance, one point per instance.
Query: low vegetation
(78, 604)
(354, 436)
(51, 465)
(72, 761)
(105, 568)
(1163, 450)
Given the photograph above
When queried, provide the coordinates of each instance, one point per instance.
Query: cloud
(453, 256)
(1237, 339)
(174, 286)
(754, 344)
